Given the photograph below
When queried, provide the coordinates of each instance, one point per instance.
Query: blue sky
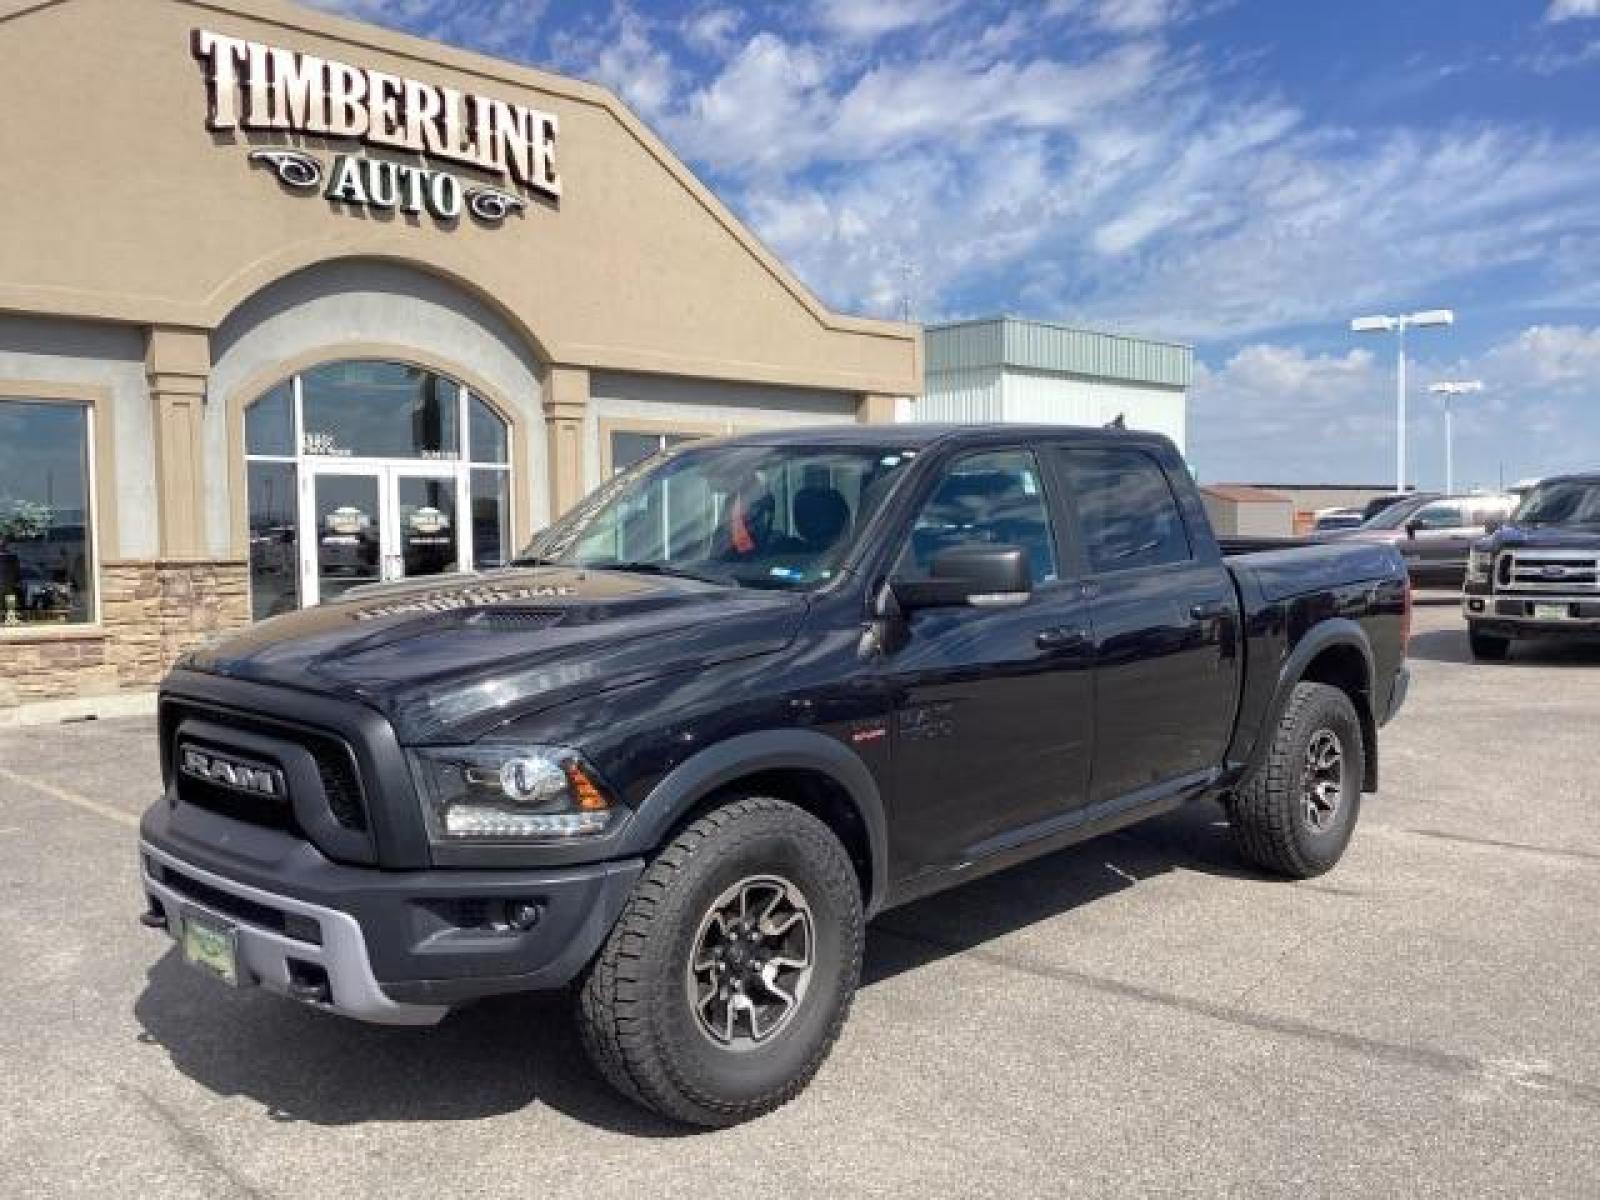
(1243, 175)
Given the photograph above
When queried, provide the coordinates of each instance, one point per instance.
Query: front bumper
(391, 947)
(1515, 615)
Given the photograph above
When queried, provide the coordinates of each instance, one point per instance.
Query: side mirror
(1494, 524)
(1411, 528)
(977, 575)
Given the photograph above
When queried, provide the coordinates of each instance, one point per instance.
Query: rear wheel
(1487, 647)
(1295, 814)
(727, 978)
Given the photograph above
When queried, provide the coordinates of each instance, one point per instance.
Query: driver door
(991, 706)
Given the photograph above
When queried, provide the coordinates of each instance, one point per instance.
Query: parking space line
(1583, 856)
(72, 798)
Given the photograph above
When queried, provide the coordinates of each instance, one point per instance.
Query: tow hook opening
(154, 917)
(308, 982)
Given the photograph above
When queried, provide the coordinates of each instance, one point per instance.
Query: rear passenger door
(1164, 618)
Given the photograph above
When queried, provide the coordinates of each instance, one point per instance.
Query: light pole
(1450, 389)
(1398, 326)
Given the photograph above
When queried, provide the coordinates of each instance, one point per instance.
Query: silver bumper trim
(264, 953)
(1491, 612)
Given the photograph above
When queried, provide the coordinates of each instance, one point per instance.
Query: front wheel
(728, 976)
(1486, 647)
(1295, 814)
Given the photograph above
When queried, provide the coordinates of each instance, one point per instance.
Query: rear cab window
(1128, 516)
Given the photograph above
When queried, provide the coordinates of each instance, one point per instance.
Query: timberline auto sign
(266, 88)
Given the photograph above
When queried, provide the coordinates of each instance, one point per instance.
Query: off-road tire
(635, 1017)
(1268, 815)
(1486, 647)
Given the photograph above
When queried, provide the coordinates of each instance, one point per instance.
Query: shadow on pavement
(493, 1058)
(1450, 646)
(505, 1054)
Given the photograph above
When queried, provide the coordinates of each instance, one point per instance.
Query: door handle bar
(1062, 637)
(1211, 610)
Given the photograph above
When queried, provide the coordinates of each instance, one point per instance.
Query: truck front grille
(337, 771)
(1567, 571)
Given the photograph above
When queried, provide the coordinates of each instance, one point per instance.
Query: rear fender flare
(768, 750)
(1325, 635)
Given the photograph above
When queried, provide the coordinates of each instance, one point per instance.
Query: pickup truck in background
(1433, 534)
(744, 697)
(1538, 575)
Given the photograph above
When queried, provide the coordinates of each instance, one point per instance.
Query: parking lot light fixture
(1450, 389)
(1428, 318)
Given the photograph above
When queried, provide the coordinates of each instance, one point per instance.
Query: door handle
(1062, 637)
(1211, 610)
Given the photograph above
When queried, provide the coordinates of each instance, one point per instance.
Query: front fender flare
(766, 750)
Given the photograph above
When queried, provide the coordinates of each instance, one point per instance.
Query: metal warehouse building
(1006, 369)
(290, 303)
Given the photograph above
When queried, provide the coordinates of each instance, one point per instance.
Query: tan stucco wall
(120, 204)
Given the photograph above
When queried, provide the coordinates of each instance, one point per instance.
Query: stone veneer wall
(151, 611)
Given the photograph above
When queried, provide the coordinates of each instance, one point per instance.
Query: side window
(1439, 516)
(995, 497)
(1127, 514)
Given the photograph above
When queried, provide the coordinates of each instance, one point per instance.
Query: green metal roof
(1044, 346)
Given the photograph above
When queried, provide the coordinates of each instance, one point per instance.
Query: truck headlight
(509, 794)
(1479, 563)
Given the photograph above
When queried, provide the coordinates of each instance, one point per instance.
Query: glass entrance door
(427, 535)
(346, 520)
(377, 524)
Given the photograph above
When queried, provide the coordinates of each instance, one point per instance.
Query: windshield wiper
(653, 567)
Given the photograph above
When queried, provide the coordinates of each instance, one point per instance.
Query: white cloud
(874, 18)
(713, 29)
(1572, 10)
(1272, 411)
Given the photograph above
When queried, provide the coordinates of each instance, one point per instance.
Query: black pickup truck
(747, 695)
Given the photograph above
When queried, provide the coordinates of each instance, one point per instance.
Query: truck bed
(1284, 567)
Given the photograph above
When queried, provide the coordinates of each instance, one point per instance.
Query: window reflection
(379, 410)
(274, 544)
(45, 536)
(491, 519)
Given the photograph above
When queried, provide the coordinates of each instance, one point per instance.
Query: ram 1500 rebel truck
(1538, 575)
(748, 694)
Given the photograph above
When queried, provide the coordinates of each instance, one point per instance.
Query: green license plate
(1549, 612)
(211, 946)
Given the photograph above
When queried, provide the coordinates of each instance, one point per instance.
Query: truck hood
(1540, 537)
(450, 661)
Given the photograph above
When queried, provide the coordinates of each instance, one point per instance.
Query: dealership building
(290, 303)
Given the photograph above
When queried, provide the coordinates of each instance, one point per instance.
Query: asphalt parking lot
(1138, 1016)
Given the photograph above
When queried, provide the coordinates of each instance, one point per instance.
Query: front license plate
(211, 946)
(1550, 612)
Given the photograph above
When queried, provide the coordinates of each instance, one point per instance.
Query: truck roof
(921, 435)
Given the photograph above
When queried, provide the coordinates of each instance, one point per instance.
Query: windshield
(1561, 502)
(751, 516)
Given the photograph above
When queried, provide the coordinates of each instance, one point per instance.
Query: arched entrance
(366, 471)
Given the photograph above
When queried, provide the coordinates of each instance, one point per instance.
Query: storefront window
(380, 410)
(274, 540)
(46, 561)
(400, 473)
(629, 447)
(491, 519)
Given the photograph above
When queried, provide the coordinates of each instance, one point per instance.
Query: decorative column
(177, 364)
(872, 409)
(566, 402)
